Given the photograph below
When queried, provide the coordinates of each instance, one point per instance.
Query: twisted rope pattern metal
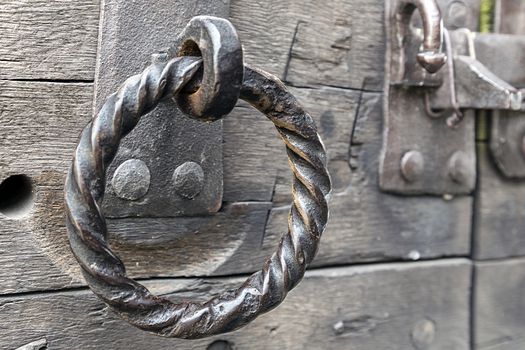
(264, 290)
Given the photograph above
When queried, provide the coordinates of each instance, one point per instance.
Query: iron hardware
(418, 101)
(153, 188)
(189, 80)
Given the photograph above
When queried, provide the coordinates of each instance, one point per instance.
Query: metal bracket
(421, 153)
(170, 165)
(488, 79)
(507, 138)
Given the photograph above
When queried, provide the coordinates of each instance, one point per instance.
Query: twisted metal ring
(264, 290)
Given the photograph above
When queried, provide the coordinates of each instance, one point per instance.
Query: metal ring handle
(216, 40)
(264, 290)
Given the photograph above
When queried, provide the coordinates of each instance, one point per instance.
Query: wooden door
(393, 271)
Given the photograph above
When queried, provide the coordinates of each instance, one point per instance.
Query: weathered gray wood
(48, 39)
(388, 307)
(509, 16)
(195, 246)
(499, 219)
(40, 124)
(499, 316)
(307, 43)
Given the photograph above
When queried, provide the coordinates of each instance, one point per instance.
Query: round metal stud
(131, 180)
(188, 179)
(412, 166)
(423, 334)
(458, 167)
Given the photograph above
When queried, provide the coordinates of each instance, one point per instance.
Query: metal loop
(216, 40)
(264, 290)
(457, 116)
(431, 58)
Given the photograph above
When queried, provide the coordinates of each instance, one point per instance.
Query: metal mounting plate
(146, 183)
(421, 154)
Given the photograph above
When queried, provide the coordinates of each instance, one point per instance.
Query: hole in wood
(16, 196)
(220, 345)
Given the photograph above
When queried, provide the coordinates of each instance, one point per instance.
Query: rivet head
(459, 168)
(423, 334)
(131, 180)
(188, 180)
(412, 166)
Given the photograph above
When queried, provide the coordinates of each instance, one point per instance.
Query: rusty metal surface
(84, 192)
(130, 32)
(408, 128)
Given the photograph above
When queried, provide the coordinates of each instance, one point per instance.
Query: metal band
(264, 290)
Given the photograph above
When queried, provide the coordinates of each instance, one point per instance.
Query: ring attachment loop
(216, 40)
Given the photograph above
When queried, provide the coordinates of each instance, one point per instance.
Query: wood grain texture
(48, 39)
(499, 220)
(40, 124)
(308, 43)
(388, 307)
(499, 317)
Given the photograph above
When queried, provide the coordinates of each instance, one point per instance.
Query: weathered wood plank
(499, 316)
(387, 307)
(40, 127)
(48, 39)
(336, 42)
(499, 220)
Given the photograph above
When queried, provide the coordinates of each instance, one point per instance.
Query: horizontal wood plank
(307, 43)
(499, 317)
(499, 219)
(388, 307)
(48, 39)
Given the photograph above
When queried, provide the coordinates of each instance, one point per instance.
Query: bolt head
(131, 180)
(412, 166)
(188, 180)
(459, 167)
(457, 15)
(423, 334)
